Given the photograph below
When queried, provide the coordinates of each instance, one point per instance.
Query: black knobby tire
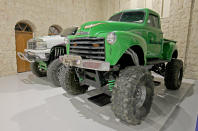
(70, 82)
(173, 74)
(53, 72)
(125, 104)
(36, 71)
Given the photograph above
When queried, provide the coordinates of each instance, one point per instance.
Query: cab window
(153, 21)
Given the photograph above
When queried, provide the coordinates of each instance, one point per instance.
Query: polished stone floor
(28, 103)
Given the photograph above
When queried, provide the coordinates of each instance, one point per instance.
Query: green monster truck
(117, 56)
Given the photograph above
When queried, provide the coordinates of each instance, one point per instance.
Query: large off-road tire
(173, 74)
(36, 70)
(53, 72)
(133, 94)
(70, 82)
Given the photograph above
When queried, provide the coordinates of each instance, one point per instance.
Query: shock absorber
(111, 84)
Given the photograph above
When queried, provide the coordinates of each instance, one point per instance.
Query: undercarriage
(99, 73)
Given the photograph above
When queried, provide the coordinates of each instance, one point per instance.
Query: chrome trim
(77, 61)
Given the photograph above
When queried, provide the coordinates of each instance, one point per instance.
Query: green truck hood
(95, 28)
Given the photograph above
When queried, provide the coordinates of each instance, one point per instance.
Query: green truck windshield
(136, 17)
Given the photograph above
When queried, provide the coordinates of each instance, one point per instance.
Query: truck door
(154, 37)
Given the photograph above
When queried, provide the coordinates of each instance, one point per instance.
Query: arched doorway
(54, 30)
(23, 32)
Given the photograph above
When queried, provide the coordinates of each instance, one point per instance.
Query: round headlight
(111, 38)
(66, 40)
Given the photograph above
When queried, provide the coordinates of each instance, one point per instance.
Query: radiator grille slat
(88, 48)
(59, 51)
(86, 52)
(88, 42)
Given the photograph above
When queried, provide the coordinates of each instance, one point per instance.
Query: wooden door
(21, 44)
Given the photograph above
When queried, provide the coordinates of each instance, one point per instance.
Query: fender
(125, 40)
(168, 50)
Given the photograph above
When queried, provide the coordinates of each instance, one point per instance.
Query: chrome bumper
(32, 55)
(77, 61)
(24, 57)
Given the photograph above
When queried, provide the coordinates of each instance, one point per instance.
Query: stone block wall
(192, 48)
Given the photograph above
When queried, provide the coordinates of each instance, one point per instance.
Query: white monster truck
(43, 53)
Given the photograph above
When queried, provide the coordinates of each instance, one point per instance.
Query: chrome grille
(57, 51)
(88, 48)
(31, 45)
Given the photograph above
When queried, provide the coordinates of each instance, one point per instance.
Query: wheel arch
(126, 57)
(128, 40)
(140, 53)
(170, 50)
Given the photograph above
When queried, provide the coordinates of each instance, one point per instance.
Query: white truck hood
(52, 40)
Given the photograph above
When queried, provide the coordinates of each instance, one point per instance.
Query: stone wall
(112, 6)
(40, 14)
(192, 47)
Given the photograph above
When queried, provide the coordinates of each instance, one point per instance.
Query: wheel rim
(140, 96)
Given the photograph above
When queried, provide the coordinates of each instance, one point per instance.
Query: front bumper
(77, 61)
(34, 55)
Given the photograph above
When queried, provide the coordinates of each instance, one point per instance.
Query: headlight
(41, 45)
(66, 40)
(111, 38)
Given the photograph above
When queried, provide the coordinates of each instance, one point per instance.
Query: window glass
(156, 21)
(53, 30)
(150, 21)
(153, 21)
(137, 17)
(23, 27)
(115, 17)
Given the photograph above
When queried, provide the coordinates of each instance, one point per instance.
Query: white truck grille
(31, 45)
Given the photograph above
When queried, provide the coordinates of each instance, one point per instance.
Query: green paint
(111, 84)
(149, 39)
(43, 65)
(80, 79)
